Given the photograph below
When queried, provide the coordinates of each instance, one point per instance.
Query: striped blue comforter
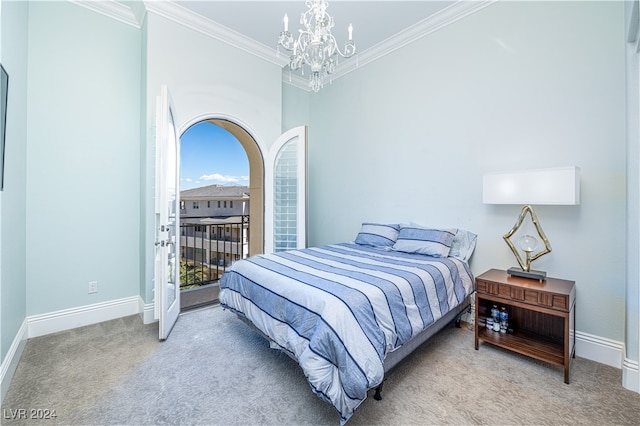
(339, 309)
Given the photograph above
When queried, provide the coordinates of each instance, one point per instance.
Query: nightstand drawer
(561, 302)
(546, 300)
(486, 287)
(525, 295)
(496, 289)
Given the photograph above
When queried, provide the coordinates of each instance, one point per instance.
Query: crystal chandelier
(315, 46)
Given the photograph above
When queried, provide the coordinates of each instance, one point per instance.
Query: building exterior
(214, 231)
(214, 201)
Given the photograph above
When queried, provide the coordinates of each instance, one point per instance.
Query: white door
(286, 192)
(167, 266)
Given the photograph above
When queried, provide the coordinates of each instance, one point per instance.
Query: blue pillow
(431, 242)
(378, 234)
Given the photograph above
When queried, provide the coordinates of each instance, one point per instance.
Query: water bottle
(495, 313)
(489, 323)
(504, 320)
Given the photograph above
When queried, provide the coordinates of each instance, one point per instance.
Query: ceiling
(373, 21)
(379, 27)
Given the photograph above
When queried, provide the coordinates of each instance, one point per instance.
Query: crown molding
(130, 12)
(134, 12)
(295, 79)
(421, 29)
(634, 22)
(174, 12)
(413, 33)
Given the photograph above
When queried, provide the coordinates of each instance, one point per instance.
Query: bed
(349, 312)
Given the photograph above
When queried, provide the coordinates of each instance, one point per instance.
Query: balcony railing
(208, 246)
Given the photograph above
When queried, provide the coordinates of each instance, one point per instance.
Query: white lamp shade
(558, 185)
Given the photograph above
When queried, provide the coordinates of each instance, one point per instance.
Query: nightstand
(541, 316)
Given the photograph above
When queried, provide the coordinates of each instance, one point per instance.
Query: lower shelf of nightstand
(525, 343)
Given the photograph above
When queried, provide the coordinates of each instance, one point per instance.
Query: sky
(211, 155)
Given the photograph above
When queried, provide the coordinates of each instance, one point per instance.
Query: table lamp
(557, 186)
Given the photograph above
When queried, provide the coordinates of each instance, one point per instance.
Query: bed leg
(378, 395)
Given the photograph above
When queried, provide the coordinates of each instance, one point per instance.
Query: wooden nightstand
(542, 315)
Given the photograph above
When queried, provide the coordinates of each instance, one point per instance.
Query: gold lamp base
(529, 244)
(533, 275)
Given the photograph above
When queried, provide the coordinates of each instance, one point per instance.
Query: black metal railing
(208, 248)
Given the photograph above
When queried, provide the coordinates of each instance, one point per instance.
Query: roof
(215, 192)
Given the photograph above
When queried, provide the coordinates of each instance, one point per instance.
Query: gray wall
(13, 289)
(632, 21)
(515, 85)
(83, 164)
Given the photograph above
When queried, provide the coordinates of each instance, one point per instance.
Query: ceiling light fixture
(315, 46)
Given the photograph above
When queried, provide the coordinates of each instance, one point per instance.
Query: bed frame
(395, 357)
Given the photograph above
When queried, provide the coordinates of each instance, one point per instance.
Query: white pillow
(464, 242)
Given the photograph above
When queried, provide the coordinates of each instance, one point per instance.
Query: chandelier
(315, 47)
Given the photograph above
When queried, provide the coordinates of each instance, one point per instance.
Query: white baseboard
(609, 352)
(147, 311)
(10, 362)
(599, 349)
(631, 375)
(66, 319)
(595, 348)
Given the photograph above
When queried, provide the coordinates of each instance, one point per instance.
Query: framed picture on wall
(3, 119)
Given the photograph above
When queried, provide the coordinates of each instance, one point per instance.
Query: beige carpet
(213, 370)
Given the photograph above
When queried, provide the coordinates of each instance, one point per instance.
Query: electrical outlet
(93, 287)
